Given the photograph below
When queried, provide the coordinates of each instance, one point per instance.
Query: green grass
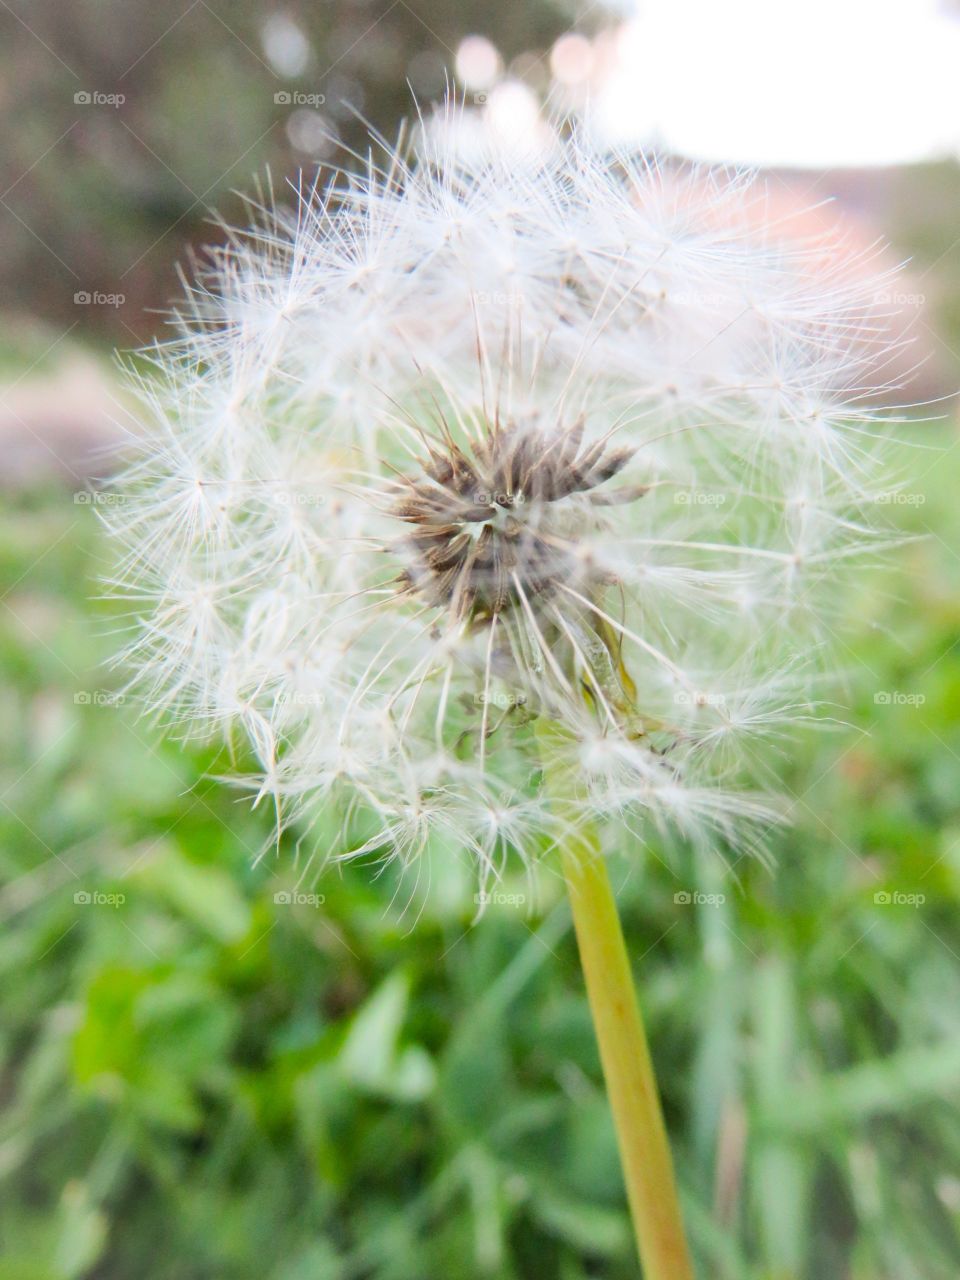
(201, 1082)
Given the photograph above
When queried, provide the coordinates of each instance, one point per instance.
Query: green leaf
(208, 896)
(83, 1233)
(371, 1057)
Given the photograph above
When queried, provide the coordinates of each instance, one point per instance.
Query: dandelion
(504, 499)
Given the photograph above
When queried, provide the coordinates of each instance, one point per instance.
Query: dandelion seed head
(476, 438)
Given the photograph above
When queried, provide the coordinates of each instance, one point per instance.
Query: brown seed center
(495, 521)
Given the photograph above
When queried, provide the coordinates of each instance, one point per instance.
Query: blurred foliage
(920, 211)
(205, 1076)
(104, 197)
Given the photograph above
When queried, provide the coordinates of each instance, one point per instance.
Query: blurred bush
(102, 197)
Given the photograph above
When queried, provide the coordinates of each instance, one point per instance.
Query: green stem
(628, 1071)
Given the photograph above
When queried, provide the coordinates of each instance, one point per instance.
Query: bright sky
(787, 82)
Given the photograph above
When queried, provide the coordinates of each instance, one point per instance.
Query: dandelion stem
(628, 1071)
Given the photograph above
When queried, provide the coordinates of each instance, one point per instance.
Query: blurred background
(207, 1074)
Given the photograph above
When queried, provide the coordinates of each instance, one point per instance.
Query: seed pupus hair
(402, 434)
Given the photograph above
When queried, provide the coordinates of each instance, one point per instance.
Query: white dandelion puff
(466, 443)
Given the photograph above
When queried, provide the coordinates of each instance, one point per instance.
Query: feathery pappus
(467, 440)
